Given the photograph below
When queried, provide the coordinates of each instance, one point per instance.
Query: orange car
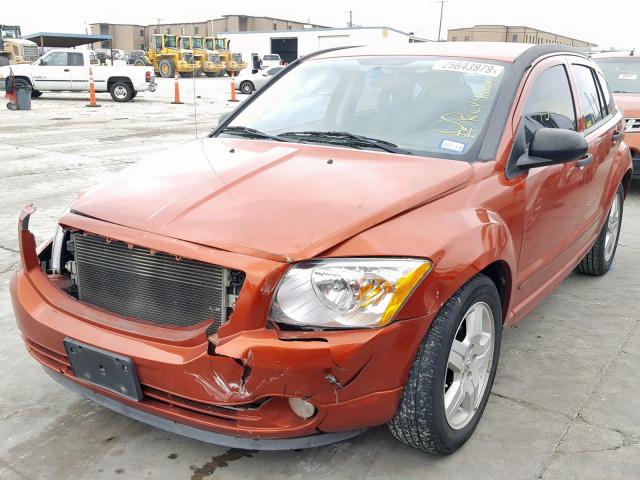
(622, 71)
(343, 251)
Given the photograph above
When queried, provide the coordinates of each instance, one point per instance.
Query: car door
(79, 72)
(51, 72)
(553, 215)
(602, 126)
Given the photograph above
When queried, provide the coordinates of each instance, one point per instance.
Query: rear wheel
(247, 87)
(36, 93)
(140, 62)
(599, 259)
(167, 69)
(453, 371)
(121, 91)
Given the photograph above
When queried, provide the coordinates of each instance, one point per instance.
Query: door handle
(617, 136)
(584, 161)
(66, 69)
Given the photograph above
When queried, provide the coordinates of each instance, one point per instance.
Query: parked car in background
(271, 60)
(622, 71)
(250, 82)
(68, 71)
(341, 252)
(133, 55)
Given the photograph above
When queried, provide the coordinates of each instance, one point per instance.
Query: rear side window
(606, 91)
(590, 101)
(550, 103)
(75, 60)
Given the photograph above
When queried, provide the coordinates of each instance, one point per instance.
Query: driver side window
(550, 103)
(55, 59)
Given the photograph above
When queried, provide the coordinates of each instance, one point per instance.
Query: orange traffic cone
(92, 91)
(176, 99)
(233, 88)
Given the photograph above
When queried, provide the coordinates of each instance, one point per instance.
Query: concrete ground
(566, 403)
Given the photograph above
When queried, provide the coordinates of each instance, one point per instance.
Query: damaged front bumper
(232, 388)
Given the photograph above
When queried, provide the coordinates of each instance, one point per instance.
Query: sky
(608, 24)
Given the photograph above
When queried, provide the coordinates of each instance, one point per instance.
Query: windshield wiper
(347, 138)
(250, 133)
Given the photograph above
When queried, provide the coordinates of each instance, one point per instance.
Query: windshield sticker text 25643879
(468, 67)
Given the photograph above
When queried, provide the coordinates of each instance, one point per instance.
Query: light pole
(441, 2)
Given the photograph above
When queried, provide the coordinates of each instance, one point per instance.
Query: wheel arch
(626, 182)
(112, 80)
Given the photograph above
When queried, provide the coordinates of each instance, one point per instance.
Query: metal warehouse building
(291, 44)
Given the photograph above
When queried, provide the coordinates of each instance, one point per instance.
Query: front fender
(462, 234)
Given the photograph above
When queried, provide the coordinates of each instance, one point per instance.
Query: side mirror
(552, 146)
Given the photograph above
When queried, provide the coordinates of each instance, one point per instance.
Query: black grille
(157, 288)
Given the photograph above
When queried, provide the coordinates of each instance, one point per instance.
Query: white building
(291, 44)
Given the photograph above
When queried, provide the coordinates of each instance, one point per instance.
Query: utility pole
(441, 2)
(350, 24)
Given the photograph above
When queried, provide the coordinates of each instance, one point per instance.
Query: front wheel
(599, 259)
(453, 372)
(121, 91)
(36, 94)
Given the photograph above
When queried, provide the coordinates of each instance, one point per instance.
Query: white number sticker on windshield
(468, 67)
(627, 76)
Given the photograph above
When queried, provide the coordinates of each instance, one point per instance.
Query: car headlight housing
(346, 292)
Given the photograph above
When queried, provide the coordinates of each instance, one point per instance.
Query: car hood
(282, 201)
(630, 104)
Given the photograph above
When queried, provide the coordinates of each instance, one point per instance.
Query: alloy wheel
(120, 92)
(613, 225)
(469, 365)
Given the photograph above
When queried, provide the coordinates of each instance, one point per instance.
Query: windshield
(622, 74)
(10, 32)
(220, 43)
(197, 43)
(170, 41)
(425, 105)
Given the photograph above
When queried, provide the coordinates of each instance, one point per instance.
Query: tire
(4, 61)
(121, 92)
(167, 69)
(12, 106)
(247, 87)
(186, 74)
(211, 74)
(420, 420)
(221, 73)
(140, 63)
(134, 94)
(599, 259)
(36, 94)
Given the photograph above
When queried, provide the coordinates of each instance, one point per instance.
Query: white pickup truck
(68, 71)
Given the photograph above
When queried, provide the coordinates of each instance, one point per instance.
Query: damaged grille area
(155, 287)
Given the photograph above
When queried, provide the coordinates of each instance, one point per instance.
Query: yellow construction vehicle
(13, 49)
(167, 57)
(210, 60)
(233, 61)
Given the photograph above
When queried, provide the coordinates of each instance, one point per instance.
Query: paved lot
(566, 404)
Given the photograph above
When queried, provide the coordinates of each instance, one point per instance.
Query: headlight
(346, 292)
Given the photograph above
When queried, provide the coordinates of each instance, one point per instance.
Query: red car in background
(622, 71)
(343, 251)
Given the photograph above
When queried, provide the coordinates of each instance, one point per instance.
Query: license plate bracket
(108, 370)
